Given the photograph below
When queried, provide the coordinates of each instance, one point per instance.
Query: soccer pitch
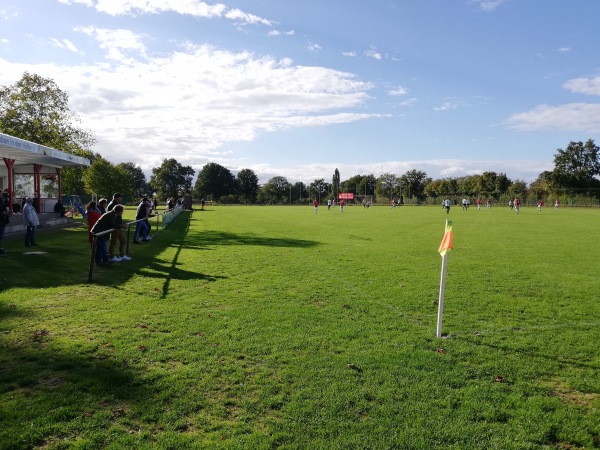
(275, 327)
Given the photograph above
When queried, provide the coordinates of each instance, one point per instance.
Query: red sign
(346, 196)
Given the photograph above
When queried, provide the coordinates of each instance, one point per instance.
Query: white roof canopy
(25, 152)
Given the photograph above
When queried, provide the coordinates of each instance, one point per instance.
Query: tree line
(36, 109)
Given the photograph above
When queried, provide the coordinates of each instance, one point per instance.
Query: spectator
(31, 221)
(107, 221)
(92, 215)
(4, 213)
(59, 208)
(170, 204)
(118, 234)
(102, 205)
(141, 229)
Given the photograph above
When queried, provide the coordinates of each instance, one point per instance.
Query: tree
(318, 188)
(137, 185)
(299, 192)
(367, 185)
(276, 189)
(72, 177)
(352, 184)
(247, 184)
(104, 178)
(577, 167)
(413, 183)
(386, 185)
(214, 181)
(37, 110)
(171, 179)
(335, 183)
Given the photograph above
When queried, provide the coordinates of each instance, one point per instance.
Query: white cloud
(236, 14)
(121, 45)
(314, 47)
(564, 49)
(590, 86)
(279, 33)
(489, 5)
(187, 105)
(447, 106)
(398, 91)
(351, 54)
(572, 117)
(373, 53)
(194, 8)
(65, 44)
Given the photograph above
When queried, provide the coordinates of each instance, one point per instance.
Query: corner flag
(447, 240)
(444, 247)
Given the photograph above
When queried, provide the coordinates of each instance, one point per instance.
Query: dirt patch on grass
(571, 396)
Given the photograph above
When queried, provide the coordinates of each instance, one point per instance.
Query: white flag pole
(441, 297)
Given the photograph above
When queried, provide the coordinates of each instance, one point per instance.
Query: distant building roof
(25, 152)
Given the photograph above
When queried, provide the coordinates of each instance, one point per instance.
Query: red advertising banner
(346, 196)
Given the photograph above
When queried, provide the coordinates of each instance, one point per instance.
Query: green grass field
(273, 327)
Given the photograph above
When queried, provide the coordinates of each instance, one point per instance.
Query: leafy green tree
(367, 185)
(352, 184)
(299, 192)
(36, 109)
(72, 177)
(576, 168)
(137, 185)
(318, 188)
(386, 185)
(413, 183)
(104, 178)
(275, 191)
(518, 189)
(171, 179)
(335, 183)
(215, 181)
(247, 183)
(541, 187)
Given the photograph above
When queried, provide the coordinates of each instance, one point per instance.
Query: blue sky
(297, 88)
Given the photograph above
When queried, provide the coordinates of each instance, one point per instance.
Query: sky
(298, 88)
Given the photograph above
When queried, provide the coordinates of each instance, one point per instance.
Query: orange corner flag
(447, 241)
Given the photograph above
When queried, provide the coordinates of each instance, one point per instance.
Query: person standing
(446, 205)
(517, 204)
(479, 204)
(107, 221)
(393, 202)
(342, 205)
(92, 214)
(328, 204)
(4, 220)
(510, 204)
(141, 228)
(31, 221)
(464, 203)
(118, 234)
(488, 203)
(316, 205)
(556, 204)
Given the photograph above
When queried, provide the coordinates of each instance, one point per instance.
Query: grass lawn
(273, 327)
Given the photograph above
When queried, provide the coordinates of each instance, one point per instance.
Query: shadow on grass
(74, 391)
(62, 258)
(206, 239)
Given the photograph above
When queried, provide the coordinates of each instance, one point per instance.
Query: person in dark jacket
(141, 229)
(107, 221)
